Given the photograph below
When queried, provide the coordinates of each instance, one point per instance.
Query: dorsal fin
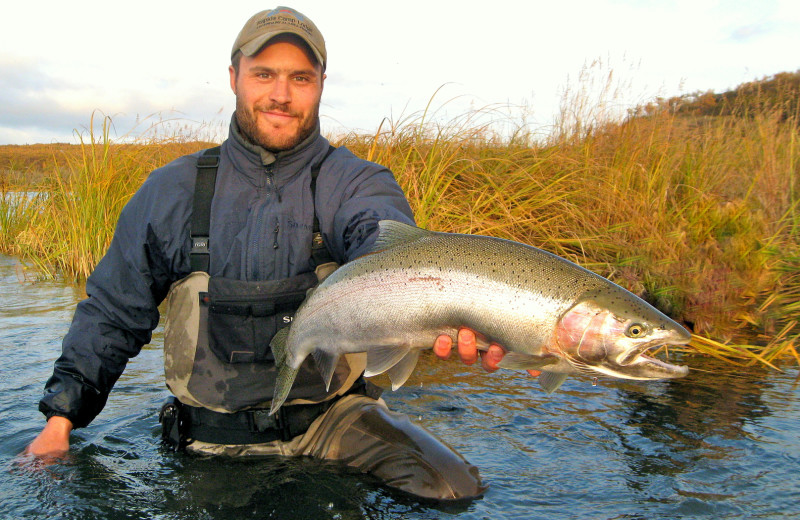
(393, 233)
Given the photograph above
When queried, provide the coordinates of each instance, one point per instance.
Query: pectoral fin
(520, 361)
(550, 381)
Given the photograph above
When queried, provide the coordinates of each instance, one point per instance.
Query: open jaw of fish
(594, 340)
(548, 313)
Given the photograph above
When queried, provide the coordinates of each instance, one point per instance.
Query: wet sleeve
(117, 318)
(370, 195)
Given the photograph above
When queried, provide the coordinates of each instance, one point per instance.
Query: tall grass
(66, 227)
(696, 212)
(17, 209)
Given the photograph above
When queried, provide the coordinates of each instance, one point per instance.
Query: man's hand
(53, 441)
(468, 351)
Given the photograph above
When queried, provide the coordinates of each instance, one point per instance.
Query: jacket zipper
(255, 253)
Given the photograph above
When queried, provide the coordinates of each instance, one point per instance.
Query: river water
(718, 444)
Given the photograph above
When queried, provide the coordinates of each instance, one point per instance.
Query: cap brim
(252, 47)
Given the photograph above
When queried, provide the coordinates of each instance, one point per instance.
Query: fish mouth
(638, 355)
(636, 364)
(630, 357)
(648, 367)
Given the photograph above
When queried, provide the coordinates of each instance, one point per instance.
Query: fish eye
(636, 330)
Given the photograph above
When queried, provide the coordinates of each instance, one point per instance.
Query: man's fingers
(466, 346)
(442, 346)
(468, 351)
(492, 357)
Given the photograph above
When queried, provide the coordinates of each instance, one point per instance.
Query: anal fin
(382, 358)
(326, 364)
(400, 372)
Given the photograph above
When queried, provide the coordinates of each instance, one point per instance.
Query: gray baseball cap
(263, 26)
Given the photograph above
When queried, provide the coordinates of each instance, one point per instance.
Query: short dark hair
(235, 60)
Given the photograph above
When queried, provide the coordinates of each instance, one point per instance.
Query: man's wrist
(60, 424)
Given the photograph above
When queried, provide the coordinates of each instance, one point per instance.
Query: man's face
(277, 92)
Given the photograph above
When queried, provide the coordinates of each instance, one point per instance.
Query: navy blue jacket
(261, 227)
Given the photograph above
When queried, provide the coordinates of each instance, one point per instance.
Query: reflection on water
(719, 444)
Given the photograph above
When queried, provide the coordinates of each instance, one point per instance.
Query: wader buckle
(262, 421)
(171, 424)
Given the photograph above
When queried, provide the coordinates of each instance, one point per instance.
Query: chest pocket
(243, 316)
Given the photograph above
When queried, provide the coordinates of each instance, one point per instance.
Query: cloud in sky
(37, 101)
(34, 101)
(62, 62)
(751, 31)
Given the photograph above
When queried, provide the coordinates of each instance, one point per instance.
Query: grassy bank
(75, 194)
(695, 210)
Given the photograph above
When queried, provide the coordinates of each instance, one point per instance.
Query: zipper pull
(270, 171)
(277, 228)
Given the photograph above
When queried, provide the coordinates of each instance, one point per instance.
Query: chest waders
(217, 359)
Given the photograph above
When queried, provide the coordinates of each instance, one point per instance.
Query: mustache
(275, 107)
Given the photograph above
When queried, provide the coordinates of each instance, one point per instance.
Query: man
(275, 176)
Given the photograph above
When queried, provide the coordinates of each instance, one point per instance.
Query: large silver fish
(548, 313)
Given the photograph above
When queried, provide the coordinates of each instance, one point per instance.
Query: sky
(163, 64)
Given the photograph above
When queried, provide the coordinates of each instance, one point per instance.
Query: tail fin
(286, 374)
(278, 346)
(283, 385)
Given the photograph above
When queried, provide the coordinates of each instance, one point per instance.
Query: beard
(274, 141)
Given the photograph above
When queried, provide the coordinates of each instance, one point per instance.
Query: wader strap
(319, 253)
(207, 166)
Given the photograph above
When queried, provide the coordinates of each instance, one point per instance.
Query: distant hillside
(778, 94)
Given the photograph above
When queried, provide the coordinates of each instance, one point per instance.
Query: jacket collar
(252, 159)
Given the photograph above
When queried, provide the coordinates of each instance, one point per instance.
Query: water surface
(713, 445)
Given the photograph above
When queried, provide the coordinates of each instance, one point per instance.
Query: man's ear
(232, 73)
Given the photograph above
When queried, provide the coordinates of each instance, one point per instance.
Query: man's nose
(280, 91)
